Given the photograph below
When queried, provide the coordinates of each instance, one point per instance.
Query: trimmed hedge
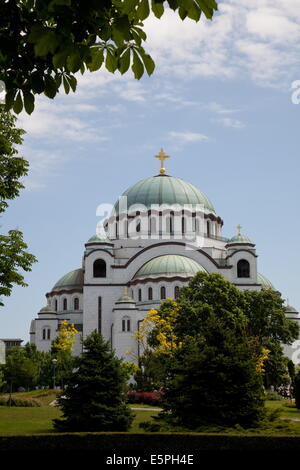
(27, 402)
(146, 444)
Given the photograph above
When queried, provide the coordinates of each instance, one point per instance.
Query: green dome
(164, 189)
(96, 239)
(266, 284)
(169, 265)
(47, 309)
(290, 309)
(239, 238)
(72, 279)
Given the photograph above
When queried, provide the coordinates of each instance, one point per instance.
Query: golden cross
(125, 290)
(162, 156)
(239, 227)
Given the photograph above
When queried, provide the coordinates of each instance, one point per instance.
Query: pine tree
(94, 396)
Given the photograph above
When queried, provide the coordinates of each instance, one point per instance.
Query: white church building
(160, 233)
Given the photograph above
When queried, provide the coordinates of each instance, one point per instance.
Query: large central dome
(165, 189)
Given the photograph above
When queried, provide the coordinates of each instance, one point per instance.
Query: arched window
(243, 268)
(55, 305)
(150, 293)
(126, 324)
(76, 303)
(99, 268)
(163, 292)
(183, 224)
(176, 292)
(138, 226)
(140, 295)
(208, 228)
(47, 333)
(65, 304)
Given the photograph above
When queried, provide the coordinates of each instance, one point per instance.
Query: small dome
(265, 283)
(170, 266)
(290, 309)
(72, 279)
(47, 309)
(164, 189)
(240, 239)
(96, 239)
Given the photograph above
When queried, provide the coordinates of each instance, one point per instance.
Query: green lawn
(38, 420)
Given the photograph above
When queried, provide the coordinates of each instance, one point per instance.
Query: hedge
(146, 444)
(16, 401)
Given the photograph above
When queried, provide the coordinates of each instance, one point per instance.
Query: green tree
(297, 390)
(19, 370)
(271, 328)
(50, 40)
(62, 349)
(13, 254)
(94, 396)
(214, 366)
(212, 380)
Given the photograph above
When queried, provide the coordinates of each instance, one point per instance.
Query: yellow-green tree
(62, 348)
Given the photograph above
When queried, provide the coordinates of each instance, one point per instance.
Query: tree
(297, 390)
(217, 344)
(19, 370)
(213, 380)
(13, 254)
(45, 42)
(94, 396)
(271, 328)
(62, 348)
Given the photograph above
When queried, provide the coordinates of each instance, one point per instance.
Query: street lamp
(54, 361)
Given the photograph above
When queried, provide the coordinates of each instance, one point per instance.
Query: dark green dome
(164, 189)
(71, 279)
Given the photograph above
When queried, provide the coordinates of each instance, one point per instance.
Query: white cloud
(187, 136)
(229, 122)
(58, 118)
(258, 39)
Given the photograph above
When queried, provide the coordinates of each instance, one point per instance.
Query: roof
(71, 279)
(164, 189)
(266, 284)
(96, 239)
(170, 266)
(239, 238)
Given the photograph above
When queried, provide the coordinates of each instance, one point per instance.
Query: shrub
(273, 396)
(146, 398)
(26, 402)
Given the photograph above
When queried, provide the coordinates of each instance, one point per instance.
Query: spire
(162, 156)
(239, 228)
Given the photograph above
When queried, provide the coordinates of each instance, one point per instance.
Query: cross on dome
(162, 156)
(239, 228)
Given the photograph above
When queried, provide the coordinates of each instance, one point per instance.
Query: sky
(222, 102)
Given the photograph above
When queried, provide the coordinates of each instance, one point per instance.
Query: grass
(21, 420)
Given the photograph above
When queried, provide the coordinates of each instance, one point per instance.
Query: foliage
(13, 254)
(151, 373)
(148, 398)
(14, 401)
(94, 396)
(19, 370)
(51, 40)
(214, 367)
(63, 343)
(297, 390)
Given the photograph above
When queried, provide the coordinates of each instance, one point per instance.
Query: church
(159, 234)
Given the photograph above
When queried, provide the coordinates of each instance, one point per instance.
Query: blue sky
(219, 102)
